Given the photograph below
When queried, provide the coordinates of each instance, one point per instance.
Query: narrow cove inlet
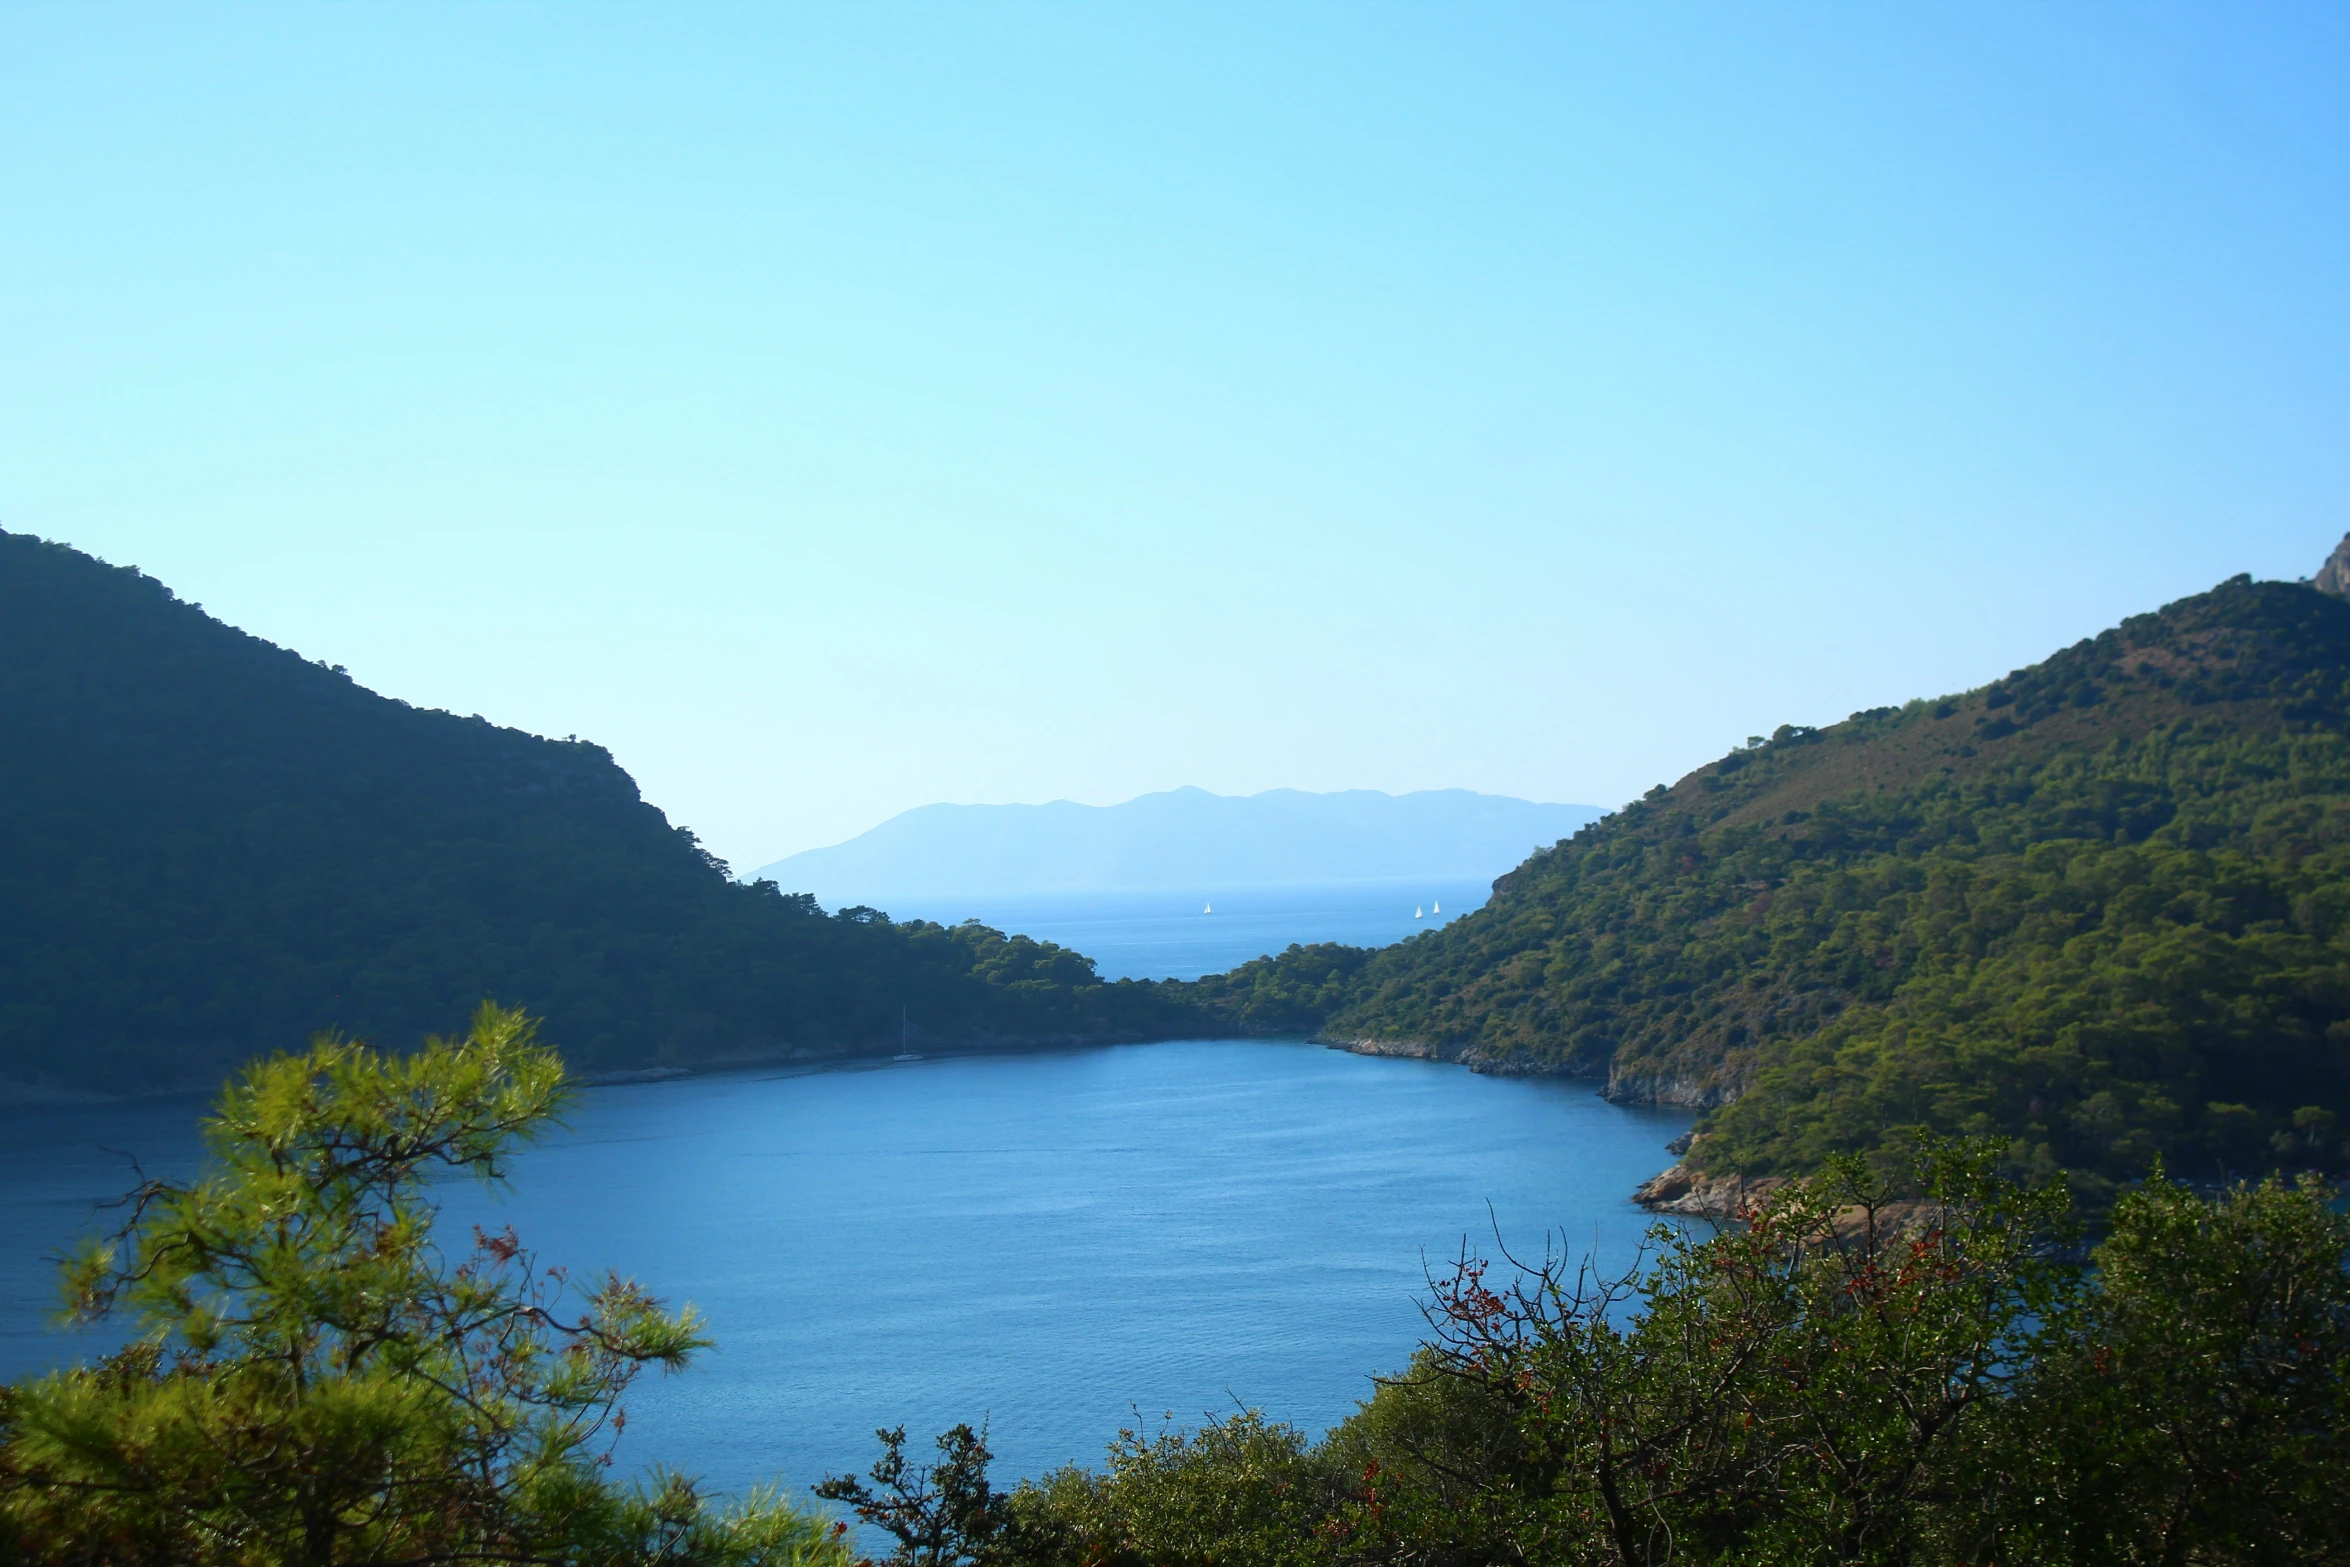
(1055, 1243)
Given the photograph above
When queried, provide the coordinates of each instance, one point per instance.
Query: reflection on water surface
(1049, 1241)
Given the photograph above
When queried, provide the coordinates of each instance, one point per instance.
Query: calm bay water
(1169, 934)
(1053, 1241)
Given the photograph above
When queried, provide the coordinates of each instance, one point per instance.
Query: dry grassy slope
(1522, 985)
(1919, 742)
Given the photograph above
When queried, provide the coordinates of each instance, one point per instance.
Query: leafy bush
(1921, 1371)
(314, 1384)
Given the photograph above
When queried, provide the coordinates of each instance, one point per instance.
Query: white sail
(1436, 908)
(1210, 909)
(1418, 913)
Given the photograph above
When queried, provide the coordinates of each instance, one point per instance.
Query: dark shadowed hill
(210, 846)
(2100, 907)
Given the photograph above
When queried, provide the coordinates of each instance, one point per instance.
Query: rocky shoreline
(1687, 1194)
(1679, 1190)
(1679, 1091)
(1407, 1049)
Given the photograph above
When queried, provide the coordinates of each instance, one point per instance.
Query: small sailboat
(1418, 912)
(1435, 907)
(1210, 909)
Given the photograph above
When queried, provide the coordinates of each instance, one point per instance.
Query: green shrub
(314, 1384)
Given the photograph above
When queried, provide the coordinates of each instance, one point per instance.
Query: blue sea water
(1170, 934)
(1054, 1242)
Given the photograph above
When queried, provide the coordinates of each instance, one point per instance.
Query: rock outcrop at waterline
(1683, 1091)
(1679, 1091)
(1476, 1060)
(1684, 1192)
(1405, 1049)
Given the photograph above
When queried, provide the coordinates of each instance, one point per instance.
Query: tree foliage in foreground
(314, 1382)
(1928, 1373)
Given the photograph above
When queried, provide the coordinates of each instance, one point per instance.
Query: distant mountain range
(1182, 838)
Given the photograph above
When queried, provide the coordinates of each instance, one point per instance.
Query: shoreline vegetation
(313, 1381)
(2018, 1023)
(217, 846)
(2097, 910)
(1921, 1366)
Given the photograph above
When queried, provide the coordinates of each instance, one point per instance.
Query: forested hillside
(210, 847)
(2100, 907)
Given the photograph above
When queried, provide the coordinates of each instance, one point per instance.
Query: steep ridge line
(2100, 907)
(215, 847)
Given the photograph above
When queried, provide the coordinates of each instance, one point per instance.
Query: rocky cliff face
(2334, 576)
(1687, 1091)
(1698, 1089)
(1475, 1059)
(1408, 1049)
(1682, 1191)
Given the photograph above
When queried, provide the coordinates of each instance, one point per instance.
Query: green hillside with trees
(2099, 909)
(213, 847)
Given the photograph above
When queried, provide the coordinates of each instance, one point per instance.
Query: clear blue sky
(836, 409)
